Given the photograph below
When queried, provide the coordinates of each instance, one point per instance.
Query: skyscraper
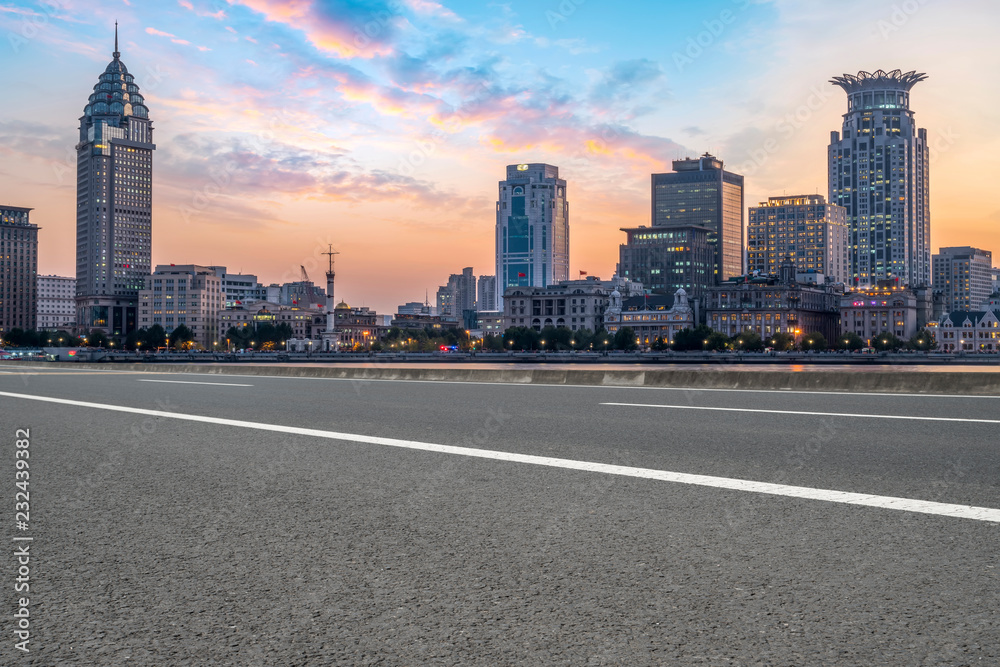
(699, 192)
(532, 233)
(878, 171)
(114, 202)
(486, 294)
(18, 269)
(813, 233)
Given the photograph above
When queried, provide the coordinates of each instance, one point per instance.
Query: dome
(342, 304)
(116, 93)
(680, 292)
(616, 294)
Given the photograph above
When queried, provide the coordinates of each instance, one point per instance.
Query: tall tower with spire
(879, 171)
(114, 203)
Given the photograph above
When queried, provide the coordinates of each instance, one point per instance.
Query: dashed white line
(216, 384)
(843, 497)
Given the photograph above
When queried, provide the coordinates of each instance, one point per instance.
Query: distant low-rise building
(240, 288)
(56, 303)
(969, 331)
(769, 305)
(305, 323)
(574, 304)
(880, 310)
(651, 317)
(358, 327)
(187, 294)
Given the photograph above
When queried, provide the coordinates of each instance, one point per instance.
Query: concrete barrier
(985, 383)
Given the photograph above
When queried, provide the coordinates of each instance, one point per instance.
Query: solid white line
(844, 497)
(803, 412)
(568, 386)
(218, 384)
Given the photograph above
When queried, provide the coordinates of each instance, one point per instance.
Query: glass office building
(532, 230)
(701, 193)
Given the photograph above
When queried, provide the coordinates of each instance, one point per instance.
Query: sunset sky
(383, 126)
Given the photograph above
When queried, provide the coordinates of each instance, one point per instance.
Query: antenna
(116, 53)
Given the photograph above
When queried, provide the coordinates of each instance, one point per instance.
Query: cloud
(173, 38)
(344, 28)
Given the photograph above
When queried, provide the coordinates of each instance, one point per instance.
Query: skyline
(353, 122)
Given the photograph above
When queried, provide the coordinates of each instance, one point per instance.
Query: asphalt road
(284, 535)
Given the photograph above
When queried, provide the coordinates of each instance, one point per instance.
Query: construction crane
(305, 276)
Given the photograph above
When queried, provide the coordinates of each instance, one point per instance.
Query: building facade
(574, 304)
(653, 317)
(114, 211)
(185, 294)
(305, 323)
(969, 331)
(964, 276)
(56, 303)
(665, 260)
(878, 171)
(766, 306)
(18, 269)
(239, 288)
(804, 227)
(486, 293)
(880, 310)
(701, 193)
(458, 295)
(532, 230)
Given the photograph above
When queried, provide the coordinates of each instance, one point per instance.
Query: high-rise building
(114, 202)
(532, 232)
(701, 193)
(995, 277)
(56, 303)
(804, 227)
(665, 260)
(185, 294)
(458, 295)
(878, 171)
(486, 294)
(18, 269)
(964, 276)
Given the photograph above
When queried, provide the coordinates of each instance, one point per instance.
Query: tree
(181, 335)
(493, 343)
(582, 338)
(886, 342)
(850, 341)
(556, 338)
(692, 339)
(155, 337)
(748, 341)
(922, 341)
(133, 341)
(715, 342)
(781, 341)
(97, 338)
(660, 344)
(602, 339)
(813, 341)
(521, 338)
(625, 339)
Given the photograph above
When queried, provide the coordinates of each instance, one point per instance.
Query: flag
(583, 273)
(239, 303)
(522, 275)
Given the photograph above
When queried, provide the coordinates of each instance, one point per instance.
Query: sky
(382, 127)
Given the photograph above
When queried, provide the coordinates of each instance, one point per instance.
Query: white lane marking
(217, 384)
(809, 493)
(804, 412)
(569, 386)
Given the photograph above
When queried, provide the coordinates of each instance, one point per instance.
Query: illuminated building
(18, 269)
(574, 304)
(665, 260)
(883, 309)
(766, 305)
(964, 331)
(114, 202)
(700, 193)
(532, 230)
(963, 275)
(804, 227)
(650, 317)
(878, 171)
